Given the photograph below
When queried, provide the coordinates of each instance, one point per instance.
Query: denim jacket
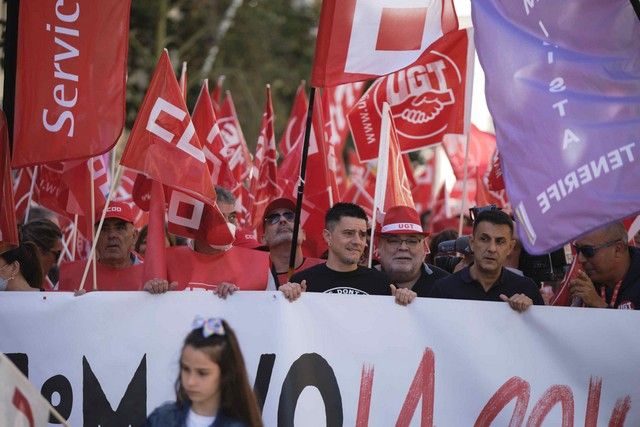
(172, 415)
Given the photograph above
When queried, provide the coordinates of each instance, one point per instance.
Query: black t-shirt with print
(361, 281)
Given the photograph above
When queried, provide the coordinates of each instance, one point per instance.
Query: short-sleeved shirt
(461, 285)
(361, 281)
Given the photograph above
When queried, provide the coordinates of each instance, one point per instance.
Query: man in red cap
(402, 249)
(118, 267)
(117, 237)
(277, 224)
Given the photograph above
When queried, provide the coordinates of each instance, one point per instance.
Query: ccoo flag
(563, 86)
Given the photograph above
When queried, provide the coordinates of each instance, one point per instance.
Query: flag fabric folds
(362, 39)
(70, 79)
(8, 227)
(563, 87)
(428, 99)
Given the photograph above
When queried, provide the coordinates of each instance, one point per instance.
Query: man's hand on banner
(292, 290)
(224, 289)
(519, 302)
(402, 296)
(159, 286)
(582, 287)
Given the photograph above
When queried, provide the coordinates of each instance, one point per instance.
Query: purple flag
(563, 86)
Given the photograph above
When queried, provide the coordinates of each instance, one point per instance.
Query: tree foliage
(268, 41)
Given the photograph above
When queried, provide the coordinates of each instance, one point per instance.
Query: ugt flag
(363, 39)
(563, 86)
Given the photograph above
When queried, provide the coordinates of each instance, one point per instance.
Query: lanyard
(614, 296)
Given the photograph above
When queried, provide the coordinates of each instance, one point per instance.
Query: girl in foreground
(212, 389)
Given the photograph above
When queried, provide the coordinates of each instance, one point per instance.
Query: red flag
(8, 227)
(163, 143)
(264, 180)
(495, 180)
(321, 190)
(563, 296)
(21, 191)
(359, 39)
(296, 124)
(206, 124)
(424, 177)
(392, 185)
(216, 94)
(70, 79)
(481, 148)
(235, 146)
(362, 190)
(428, 99)
(337, 101)
(155, 264)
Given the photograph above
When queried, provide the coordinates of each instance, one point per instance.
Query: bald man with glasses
(610, 275)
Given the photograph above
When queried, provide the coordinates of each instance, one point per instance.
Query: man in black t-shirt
(402, 249)
(487, 279)
(346, 236)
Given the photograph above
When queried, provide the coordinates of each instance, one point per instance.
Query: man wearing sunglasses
(487, 279)
(277, 225)
(610, 275)
(402, 248)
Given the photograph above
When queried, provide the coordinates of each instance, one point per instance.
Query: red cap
(402, 220)
(120, 210)
(279, 203)
(246, 238)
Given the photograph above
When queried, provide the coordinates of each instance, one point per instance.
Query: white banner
(110, 358)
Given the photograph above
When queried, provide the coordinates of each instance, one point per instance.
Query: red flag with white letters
(264, 180)
(363, 184)
(8, 227)
(205, 122)
(428, 99)
(70, 79)
(163, 143)
(164, 146)
(362, 39)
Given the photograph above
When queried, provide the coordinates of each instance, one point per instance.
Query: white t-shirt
(195, 420)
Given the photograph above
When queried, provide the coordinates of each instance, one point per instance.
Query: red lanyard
(614, 296)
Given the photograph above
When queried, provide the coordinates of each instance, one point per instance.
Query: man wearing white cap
(402, 249)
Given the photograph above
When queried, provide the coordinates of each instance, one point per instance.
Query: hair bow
(210, 326)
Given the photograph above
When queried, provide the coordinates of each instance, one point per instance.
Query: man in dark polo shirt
(486, 279)
(610, 275)
(402, 249)
(346, 235)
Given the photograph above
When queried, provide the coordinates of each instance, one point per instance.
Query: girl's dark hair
(27, 256)
(142, 237)
(236, 396)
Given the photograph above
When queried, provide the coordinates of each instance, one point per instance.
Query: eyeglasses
(589, 251)
(396, 242)
(274, 218)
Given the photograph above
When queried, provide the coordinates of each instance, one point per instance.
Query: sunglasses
(274, 218)
(589, 251)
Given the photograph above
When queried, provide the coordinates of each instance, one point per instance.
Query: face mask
(3, 283)
(232, 230)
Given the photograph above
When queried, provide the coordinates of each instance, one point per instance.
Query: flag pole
(303, 173)
(104, 213)
(464, 183)
(31, 188)
(93, 216)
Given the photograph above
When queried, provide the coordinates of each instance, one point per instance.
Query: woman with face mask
(20, 269)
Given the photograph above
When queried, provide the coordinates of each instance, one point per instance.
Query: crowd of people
(407, 264)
